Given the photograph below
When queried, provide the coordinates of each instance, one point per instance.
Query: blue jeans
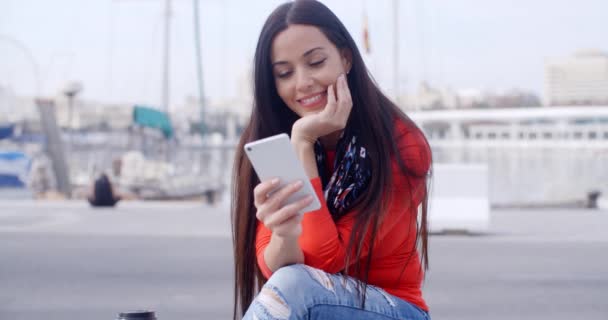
(302, 292)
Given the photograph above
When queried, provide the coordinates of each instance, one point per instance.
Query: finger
(260, 192)
(344, 99)
(288, 212)
(300, 204)
(288, 226)
(331, 100)
(280, 196)
(278, 218)
(347, 96)
(340, 88)
(274, 203)
(260, 214)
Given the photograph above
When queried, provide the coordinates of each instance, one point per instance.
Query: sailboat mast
(199, 64)
(396, 50)
(165, 79)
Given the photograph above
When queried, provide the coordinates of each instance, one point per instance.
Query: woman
(357, 256)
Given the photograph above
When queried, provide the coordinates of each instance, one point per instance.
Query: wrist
(285, 243)
(305, 151)
(282, 251)
(299, 136)
(299, 142)
(284, 240)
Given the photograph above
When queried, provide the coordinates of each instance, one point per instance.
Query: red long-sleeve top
(324, 242)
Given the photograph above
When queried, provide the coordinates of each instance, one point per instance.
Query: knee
(289, 277)
(279, 297)
(290, 290)
(299, 278)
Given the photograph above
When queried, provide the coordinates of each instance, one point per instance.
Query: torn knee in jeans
(321, 277)
(272, 304)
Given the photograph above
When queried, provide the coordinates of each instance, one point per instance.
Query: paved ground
(62, 260)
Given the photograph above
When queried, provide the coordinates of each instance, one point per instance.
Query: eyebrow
(308, 52)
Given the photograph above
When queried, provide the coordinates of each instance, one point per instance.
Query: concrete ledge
(459, 198)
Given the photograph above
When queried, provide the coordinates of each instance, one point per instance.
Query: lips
(313, 100)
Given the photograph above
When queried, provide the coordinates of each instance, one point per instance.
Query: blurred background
(517, 86)
(512, 95)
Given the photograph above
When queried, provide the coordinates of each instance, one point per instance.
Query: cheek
(282, 89)
(329, 76)
(286, 93)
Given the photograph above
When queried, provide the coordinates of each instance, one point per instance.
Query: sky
(114, 47)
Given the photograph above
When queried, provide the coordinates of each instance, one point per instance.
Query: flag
(366, 43)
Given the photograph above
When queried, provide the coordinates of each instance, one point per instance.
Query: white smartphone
(274, 157)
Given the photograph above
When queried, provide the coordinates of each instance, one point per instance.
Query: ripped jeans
(302, 292)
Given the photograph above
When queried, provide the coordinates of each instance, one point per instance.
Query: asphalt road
(64, 260)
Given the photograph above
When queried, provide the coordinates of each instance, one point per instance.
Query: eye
(283, 75)
(317, 62)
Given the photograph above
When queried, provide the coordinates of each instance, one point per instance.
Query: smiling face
(304, 64)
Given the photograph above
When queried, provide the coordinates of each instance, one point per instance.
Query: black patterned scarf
(350, 177)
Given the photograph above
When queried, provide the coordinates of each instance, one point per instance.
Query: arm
(323, 242)
(281, 244)
(306, 153)
(274, 252)
(280, 251)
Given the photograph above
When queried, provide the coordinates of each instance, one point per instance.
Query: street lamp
(70, 91)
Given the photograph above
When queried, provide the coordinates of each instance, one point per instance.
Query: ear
(347, 59)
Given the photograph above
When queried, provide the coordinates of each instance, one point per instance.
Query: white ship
(551, 127)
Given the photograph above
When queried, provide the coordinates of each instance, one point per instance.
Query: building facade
(581, 79)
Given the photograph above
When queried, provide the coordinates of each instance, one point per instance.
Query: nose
(304, 81)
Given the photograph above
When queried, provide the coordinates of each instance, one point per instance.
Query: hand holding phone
(282, 220)
(274, 158)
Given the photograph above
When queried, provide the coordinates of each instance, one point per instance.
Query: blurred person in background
(102, 193)
(363, 255)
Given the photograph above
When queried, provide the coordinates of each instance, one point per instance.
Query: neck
(331, 140)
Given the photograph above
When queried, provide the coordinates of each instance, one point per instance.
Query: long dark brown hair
(372, 116)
